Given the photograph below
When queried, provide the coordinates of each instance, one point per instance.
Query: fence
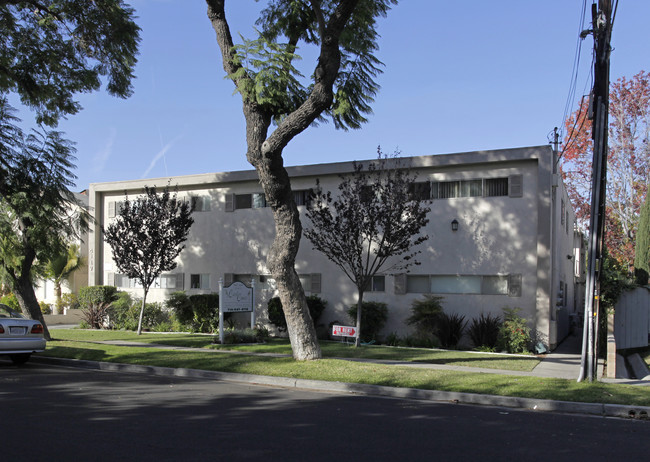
(632, 319)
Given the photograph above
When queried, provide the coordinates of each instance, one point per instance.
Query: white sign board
(236, 298)
(344, 331)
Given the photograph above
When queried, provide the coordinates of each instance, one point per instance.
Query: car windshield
(6, 312)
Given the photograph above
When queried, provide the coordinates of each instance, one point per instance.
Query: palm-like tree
(61, 267)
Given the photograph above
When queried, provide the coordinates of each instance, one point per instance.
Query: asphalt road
(53, 413)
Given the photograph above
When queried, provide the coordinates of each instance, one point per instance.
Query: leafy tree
(60, 267)
(373, 223)
(49, 52)
(147, 236)
(37, 212)
(628, 163)
(642, 249)
(342, 86)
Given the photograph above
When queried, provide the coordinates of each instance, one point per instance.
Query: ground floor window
(199, 281)
(460, 284)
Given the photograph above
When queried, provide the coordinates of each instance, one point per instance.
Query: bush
(315, 304)
(373, 318)
(195, 313)
(205, 309)
(124, 313)
(95, 302)
(450, 329)
(46, 308)
(484, 331)
(425, 315)
(248, 335)
(70, 301)
(11, 301)
(514, 334)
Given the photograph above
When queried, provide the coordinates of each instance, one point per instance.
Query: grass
(330, 349)
(349, 372)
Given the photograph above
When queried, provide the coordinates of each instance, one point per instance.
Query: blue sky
(459, 76)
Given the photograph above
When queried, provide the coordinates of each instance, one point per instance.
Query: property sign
(236, 298)
(344, 331)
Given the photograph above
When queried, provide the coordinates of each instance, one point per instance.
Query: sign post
(236, 298)
(344, 331)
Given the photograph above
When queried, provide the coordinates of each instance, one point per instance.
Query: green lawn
(78, 344)
(330, 349)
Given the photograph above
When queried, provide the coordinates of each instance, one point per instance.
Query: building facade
(501, 235)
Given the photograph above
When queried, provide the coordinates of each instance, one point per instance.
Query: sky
(459, 76)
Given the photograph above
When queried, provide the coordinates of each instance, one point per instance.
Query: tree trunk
(24, 292)
(57, 294)
(265, 154)
(288, 231)
(144, 301)
(357, 341)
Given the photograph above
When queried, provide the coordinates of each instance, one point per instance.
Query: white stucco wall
(496, 236)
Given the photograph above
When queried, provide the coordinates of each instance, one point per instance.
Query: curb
(531, 404)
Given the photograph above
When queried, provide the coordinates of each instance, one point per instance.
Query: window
(420, 191)
(377, 284)
(259, 200)
(243, 201)
(200, 203)
(471, 188)
(487, 187)
(199, 281)
(462, 284)
(168, 281)
(303, 196)
(496, 187)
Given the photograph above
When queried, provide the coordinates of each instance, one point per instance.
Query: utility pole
(598, 113)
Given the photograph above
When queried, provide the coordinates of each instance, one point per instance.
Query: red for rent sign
(344, 331)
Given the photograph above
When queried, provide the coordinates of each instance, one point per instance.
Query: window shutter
(516, 185)
(111, 209)
(228, 279)
(230, 202)
(400, 284)
(514, 285)
(180, 280)
(110, 278)
(315, 285)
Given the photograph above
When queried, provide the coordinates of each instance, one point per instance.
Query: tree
(37, 212)
(372, 225)
(49, 52)
(342, 87)
(628, 163)
(60, 267)
(147, 236)
(642, 249)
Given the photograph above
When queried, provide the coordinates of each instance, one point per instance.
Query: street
(56, 413)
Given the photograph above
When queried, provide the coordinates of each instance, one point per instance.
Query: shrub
(315, 304)
(425, 315)
(484, 331)
(11, 301)
(195, 313)
(373, 318)
(450, 329)
(205, 309)
(124, 313)
(514, 334)
(248, 335)
(70, 301)
(95, 302)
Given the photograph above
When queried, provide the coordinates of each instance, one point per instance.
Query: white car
(19, 337)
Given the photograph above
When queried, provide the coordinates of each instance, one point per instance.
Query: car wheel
(19, 359)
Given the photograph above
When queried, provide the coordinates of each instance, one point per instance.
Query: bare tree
(373, 223)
